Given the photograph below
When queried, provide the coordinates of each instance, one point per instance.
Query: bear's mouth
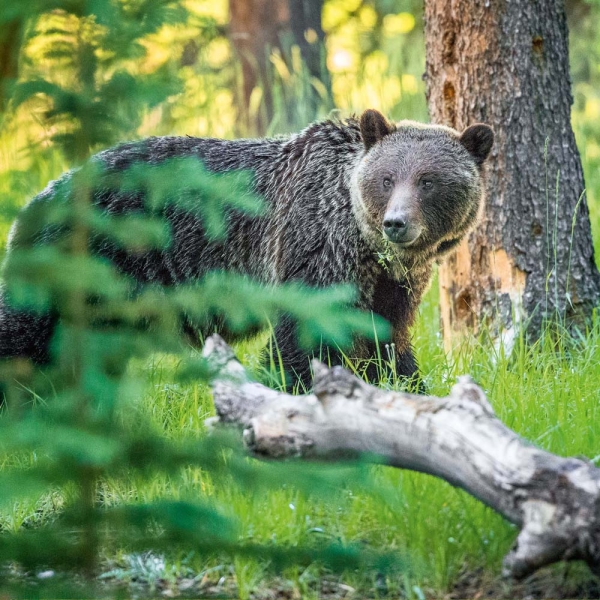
(406, 240)
(404, 243)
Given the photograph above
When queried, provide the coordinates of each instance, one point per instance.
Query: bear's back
(303, 179)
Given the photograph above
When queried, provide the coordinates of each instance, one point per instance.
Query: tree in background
(532, 257)
(257, 29)
(305, 22)
(10, 44)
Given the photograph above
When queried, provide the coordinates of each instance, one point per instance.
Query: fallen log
(555, 501)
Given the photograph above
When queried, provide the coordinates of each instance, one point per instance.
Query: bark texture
(506, 64)
(555, 501)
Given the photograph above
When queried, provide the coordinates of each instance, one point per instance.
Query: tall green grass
(548, 392)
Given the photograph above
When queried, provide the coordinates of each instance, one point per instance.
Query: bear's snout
(400, 228)
(395, 228)
(402, 219)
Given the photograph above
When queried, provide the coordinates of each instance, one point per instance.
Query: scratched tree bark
(531, 257)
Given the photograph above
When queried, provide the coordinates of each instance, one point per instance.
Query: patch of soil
(562, 582)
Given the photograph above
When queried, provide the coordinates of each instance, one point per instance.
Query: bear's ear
(374, 127)
(478, 140)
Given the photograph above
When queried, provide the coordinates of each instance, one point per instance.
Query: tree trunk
(305, 21)
(555, 501)
(531, 257)
(255, 28)
(10, 44)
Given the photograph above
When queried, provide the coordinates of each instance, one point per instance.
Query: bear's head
(419, 187)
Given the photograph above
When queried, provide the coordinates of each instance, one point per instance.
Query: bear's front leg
(296, 360)
(397, 302)
(387, 361)
(288, 355)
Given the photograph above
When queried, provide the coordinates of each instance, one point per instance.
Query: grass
(547, 392)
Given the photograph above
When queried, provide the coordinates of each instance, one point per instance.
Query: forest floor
(448, 544)
(451, 545)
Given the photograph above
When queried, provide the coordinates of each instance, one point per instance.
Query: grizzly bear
(360, 201)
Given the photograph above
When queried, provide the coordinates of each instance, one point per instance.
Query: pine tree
(80, 432)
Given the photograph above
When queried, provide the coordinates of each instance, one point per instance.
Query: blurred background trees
(292, 31)
(263, 66)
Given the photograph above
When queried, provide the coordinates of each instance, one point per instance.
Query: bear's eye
(387, 183)
(426, 183)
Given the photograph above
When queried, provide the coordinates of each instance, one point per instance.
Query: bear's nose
(395, 228)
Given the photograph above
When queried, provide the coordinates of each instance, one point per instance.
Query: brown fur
(330, 191)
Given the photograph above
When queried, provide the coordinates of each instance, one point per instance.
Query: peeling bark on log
(555, 501)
